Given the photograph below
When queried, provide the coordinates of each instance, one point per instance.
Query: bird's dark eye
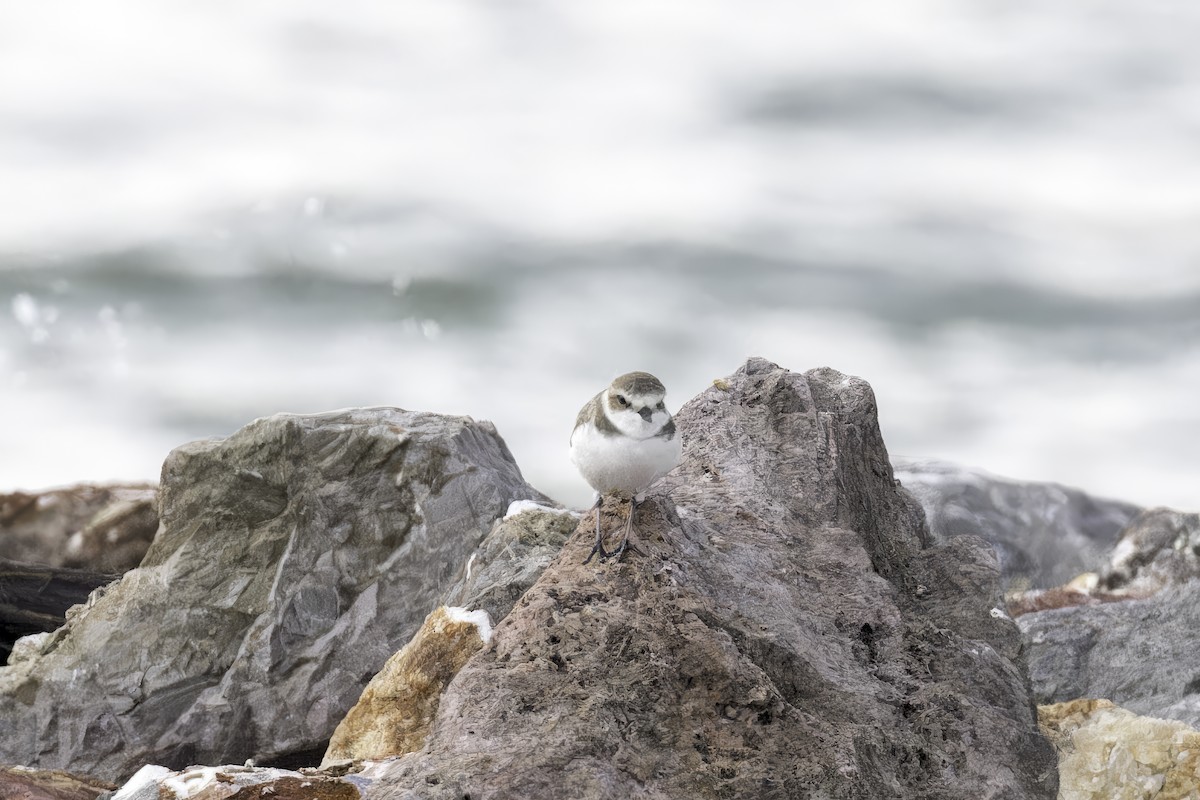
(622, 400)
(661, 406)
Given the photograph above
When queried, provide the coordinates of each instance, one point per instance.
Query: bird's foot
(598, 547)
(625, 547)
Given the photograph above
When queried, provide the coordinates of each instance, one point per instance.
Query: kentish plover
(624, 440)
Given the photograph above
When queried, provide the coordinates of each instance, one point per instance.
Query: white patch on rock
(144, 777)
(1123, 553)
(1085, 582)
(479, 618)
(521, 506)
(190, 782)
(28, 647)
(374, 769)
(195, 780)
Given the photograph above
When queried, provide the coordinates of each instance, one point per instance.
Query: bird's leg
(633, 501)
(598, 547)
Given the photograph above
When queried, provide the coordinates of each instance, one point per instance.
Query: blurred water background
(991, 210)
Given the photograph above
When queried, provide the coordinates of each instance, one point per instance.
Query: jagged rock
(510, 558)
(393, 715)
(235, 783)
(396, 708)
(1045, 534)
(34, 598)
(1139, 653)
(96, 528)
(1159, 548)
(1128, 633)
(20, 783)
(1109, 753)
(779, 632)
(294, 557)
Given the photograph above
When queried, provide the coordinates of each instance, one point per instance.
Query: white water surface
(991, 211)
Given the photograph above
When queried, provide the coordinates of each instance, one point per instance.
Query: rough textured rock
(19, 783)
(1046, 534)
(34, 598)
(1108, 753)
(1141, 653)
(780, 632)
(235, 783)
(1158, 548)
(511, 558)
(294, 558)
(394, 713)
(1129, 632)
(97, 528)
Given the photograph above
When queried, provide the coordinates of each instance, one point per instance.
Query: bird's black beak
(647, 413)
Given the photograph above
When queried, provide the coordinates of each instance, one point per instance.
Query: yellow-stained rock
(1109, 753)
(396, 709)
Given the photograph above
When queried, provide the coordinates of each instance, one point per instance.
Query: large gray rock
(779, 632)
(295, 556)
(1044, 533)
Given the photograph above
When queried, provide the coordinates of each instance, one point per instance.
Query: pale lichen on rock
(396, 709)
(1109, 753)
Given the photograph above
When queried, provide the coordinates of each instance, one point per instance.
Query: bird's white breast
(619, 464)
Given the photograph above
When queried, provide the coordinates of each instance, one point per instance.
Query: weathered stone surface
(235, 783)
(779, 633)
(294, 558)
(394, 713)
(397, 707)
(1046, 534)
(19, 783)
(1129, 633)
(1109, 753)
(1139, 653)
(1158, 548)
(511, 558)
(97, 528)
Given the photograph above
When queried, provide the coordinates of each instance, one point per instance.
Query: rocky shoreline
(374, 603)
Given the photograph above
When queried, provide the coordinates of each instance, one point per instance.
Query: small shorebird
(624, 440)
